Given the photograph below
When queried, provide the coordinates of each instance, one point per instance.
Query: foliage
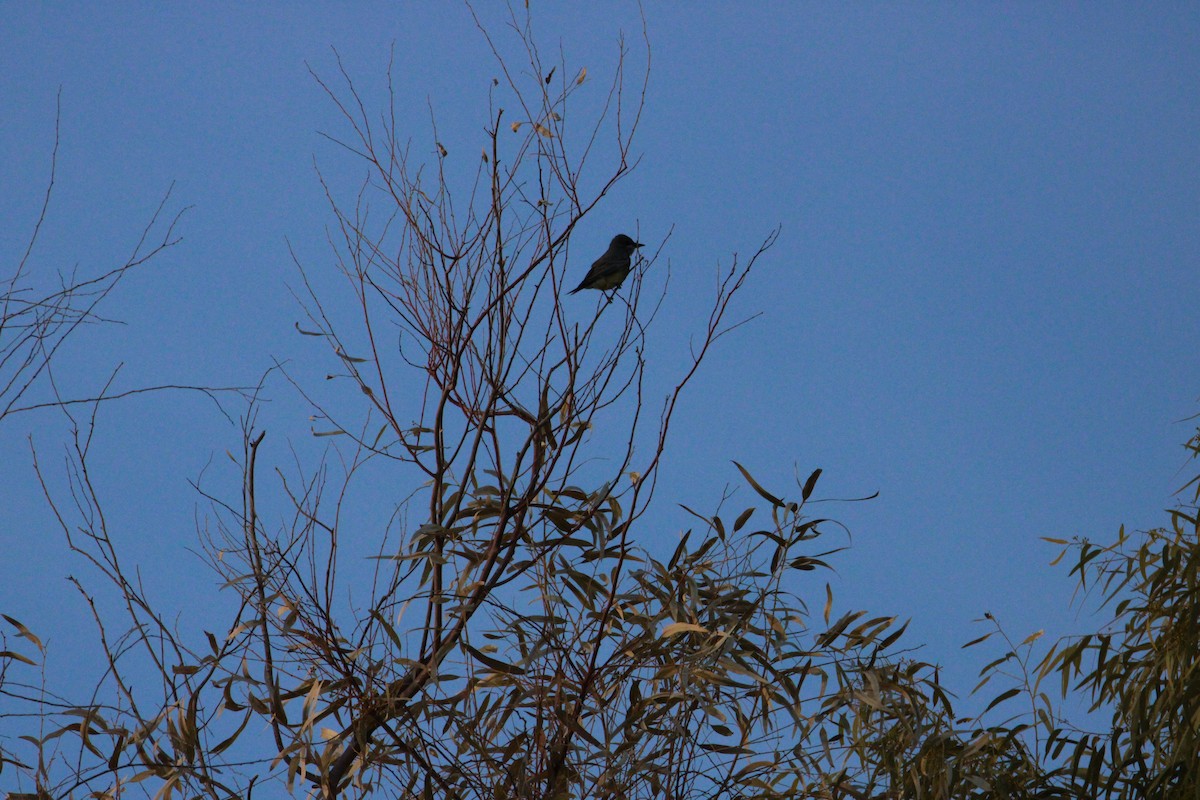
(1142, 665)
(517, 637)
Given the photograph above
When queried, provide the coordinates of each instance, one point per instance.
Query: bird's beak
(636, 245)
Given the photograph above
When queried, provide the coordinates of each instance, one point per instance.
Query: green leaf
(1011, 693)
(763, 493)
(308, 333)
(350, 358)
(494, 663)
(810, 484)
(974, 642)
(742, 518)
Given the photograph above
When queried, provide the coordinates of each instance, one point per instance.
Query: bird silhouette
(610, 269)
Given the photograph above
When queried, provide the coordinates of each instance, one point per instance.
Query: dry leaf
(676, 628)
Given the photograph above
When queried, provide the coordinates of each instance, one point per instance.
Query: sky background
(981, 305)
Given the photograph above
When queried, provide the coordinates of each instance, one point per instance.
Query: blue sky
(981, 305)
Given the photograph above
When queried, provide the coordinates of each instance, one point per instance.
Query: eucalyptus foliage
(515, 636)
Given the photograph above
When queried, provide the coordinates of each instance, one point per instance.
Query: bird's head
(624, 244)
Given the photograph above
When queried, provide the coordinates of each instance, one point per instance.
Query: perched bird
(610, 269)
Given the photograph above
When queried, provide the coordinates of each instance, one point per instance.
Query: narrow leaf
(763, 493)
(676, 628)
(810, 484)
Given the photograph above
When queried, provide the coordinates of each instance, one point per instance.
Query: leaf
(516, 126)
(223, 744)
(582, 76)
(308, 333)
(680, 549)
(338, 432)
(378, 436)
(23, 632)
(676, 628)
(543, 130)
(114, 759)
(838, 627)
(350, 358)
(17, 657)
(494, 663)
(810, 484)
(1031, 638)
(763, 493)
(893, 637)
(570, 492)
(1001, 698)
(974, 642)
(725, 749)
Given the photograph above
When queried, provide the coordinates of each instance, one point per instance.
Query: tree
(517, 403)
(514, 636)
(1140, 667)
(38, 315)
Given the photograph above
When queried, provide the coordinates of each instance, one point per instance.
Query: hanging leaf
(5, 654)
(494, 663)
(763, 493)
(351, 359)
(23, 632)
(308, 333)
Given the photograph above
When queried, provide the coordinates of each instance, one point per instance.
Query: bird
(609, 270)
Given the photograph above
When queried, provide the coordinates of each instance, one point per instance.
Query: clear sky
(982, 304)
